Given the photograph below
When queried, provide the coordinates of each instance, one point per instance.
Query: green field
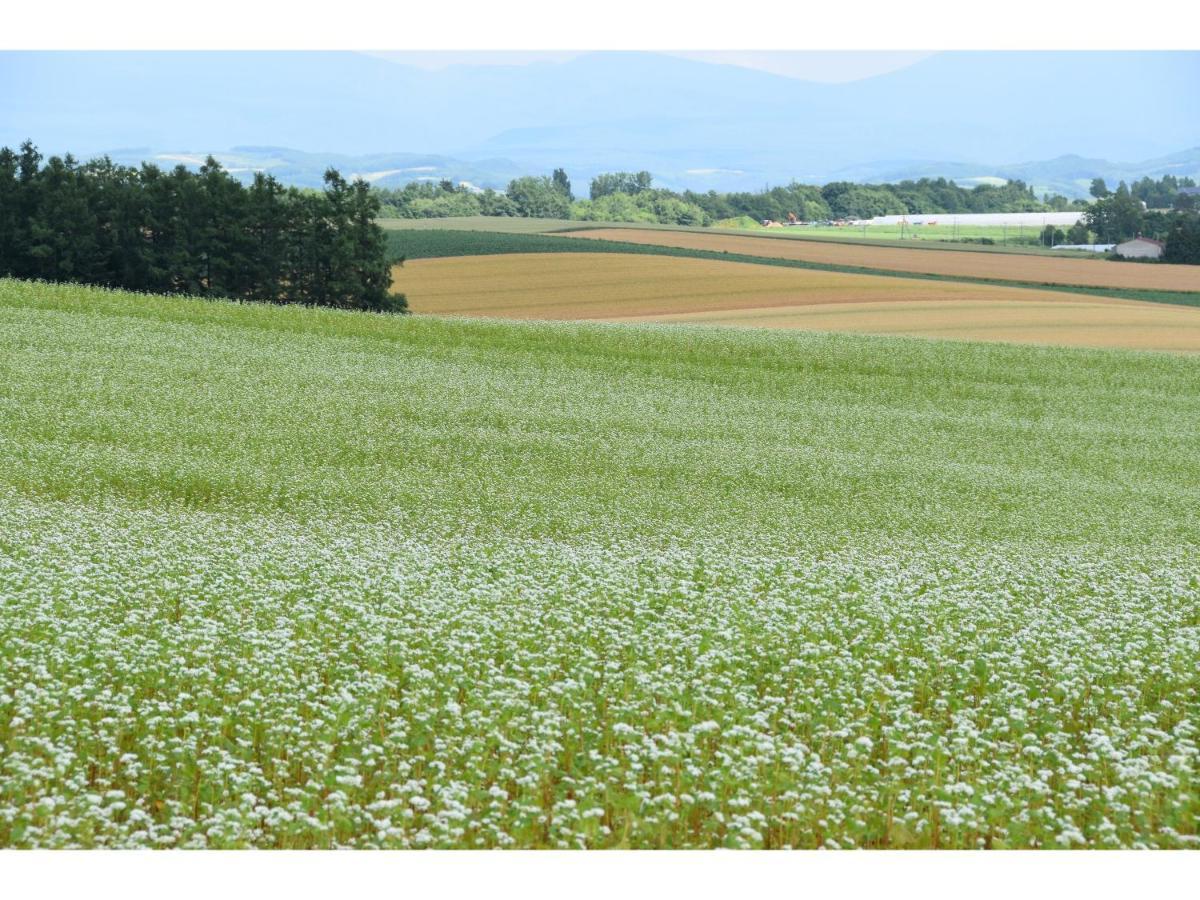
(936, 237)
(1023, 238)
(503, 224)
(284, 577)
(428, 243)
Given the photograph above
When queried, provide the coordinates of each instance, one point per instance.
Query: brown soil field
(639, 288)
(1005, 267)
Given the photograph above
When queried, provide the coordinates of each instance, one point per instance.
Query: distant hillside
(307, 169)
(1070, 175)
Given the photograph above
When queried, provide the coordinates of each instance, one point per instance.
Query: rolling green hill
(286, 577)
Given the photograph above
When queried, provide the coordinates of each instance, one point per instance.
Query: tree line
(841, 200)
(1162, 194)
(201, 233)
(632, 197)
(1147, 208)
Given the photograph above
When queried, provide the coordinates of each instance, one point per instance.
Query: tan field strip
(620, 287)
(1001, 266)
(1082, 322)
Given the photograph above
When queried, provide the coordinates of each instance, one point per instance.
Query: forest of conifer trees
(200, 233)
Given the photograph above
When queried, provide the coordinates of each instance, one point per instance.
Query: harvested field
(1082, 322)
(617, 287)
(965, 264)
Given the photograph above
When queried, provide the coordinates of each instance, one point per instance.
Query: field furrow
(616, 287)
(1098, 273)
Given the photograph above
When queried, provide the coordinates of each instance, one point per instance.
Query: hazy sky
(809, 65)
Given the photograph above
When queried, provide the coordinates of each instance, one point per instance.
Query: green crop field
(499, 224)
(285, 577)
(929, 237)
(1022, 237)
(427, 243)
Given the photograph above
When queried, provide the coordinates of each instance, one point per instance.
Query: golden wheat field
(620, 287)
(1005, 267)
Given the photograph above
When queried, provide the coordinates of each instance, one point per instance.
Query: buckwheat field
(295, 578)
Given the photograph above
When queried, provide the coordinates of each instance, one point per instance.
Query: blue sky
(809, 65)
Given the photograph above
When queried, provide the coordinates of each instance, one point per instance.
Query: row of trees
(632, 197)
(533, 197)
(850, 200)
(615, 197)
(1118, 215)
(1163, 194)
(202, 233)
(1113, 216)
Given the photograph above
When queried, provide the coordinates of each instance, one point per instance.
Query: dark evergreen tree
(340, 256)
(62, 232)
(562, 184)
(368, 247)
(267, 225)
(202, 233)
(1183, 240)
(10, 214)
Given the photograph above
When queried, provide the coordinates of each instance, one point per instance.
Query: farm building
(1140, 248)
(1090, 248)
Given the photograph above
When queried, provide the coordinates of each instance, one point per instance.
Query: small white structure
(1027, 220)
(1090, 248)
(1140, 248)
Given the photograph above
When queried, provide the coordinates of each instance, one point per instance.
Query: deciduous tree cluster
(632, 197)
(1118, 215)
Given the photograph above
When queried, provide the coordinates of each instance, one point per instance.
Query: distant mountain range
(693, 124)
(1070, 176)
(308, 169)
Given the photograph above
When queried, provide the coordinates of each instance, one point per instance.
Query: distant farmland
(964, 264)
(933, 237)
(1019, 232)
(626, 287)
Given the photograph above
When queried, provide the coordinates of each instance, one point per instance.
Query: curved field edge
(221, 405)
(651, 288)
(434, 243)
(279, 577)
(503, 224)
(1088, 273)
